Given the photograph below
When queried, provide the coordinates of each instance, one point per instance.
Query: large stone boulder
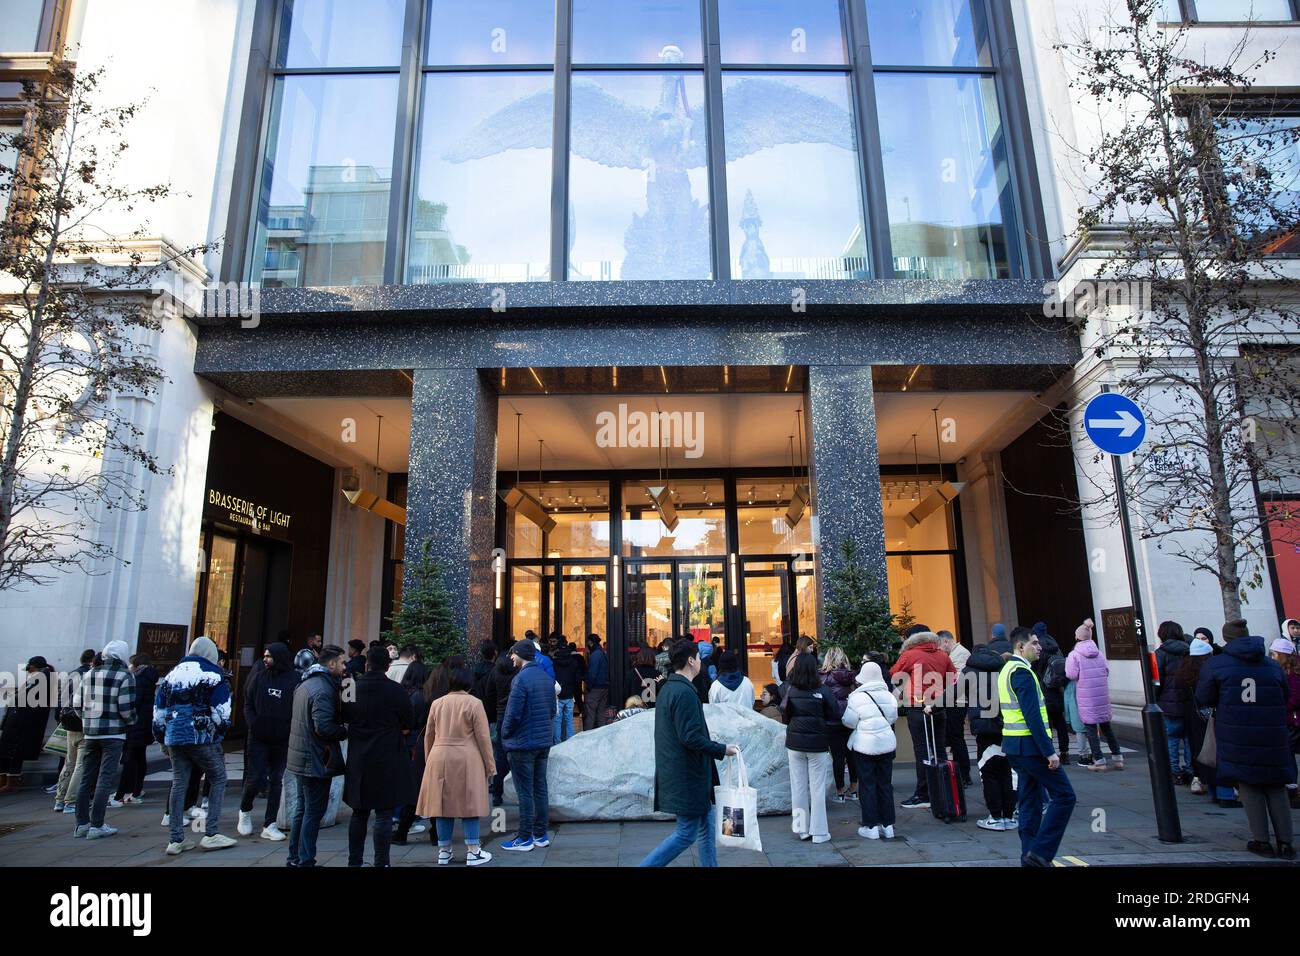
(609, 773)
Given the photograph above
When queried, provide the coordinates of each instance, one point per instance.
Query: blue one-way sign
(1114, 423)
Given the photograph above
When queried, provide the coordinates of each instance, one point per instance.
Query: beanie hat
(204, 648)
(524, 650)
(1084, 631)
(999, 630)
(1235, 629)
(1201, 649)
(1282, 646)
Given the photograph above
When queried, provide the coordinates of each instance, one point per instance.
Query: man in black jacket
(684, 755)
(570, 668)
(315, 756)
(268, 711)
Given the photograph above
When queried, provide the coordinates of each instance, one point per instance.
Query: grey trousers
(810, 775)
(1265, 803)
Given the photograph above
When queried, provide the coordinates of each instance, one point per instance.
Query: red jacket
(928, 669)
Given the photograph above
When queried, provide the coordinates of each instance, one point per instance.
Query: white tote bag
(737, 808)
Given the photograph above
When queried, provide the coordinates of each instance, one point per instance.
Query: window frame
(1187, 8)
(1032, 257)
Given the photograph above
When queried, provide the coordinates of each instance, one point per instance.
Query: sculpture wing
(769, 112)
(523, 124)
(610, 132)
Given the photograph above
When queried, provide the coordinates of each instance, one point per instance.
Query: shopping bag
(1209, 755)
(737, 806)
(58, 742)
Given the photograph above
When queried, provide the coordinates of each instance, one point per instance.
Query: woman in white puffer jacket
(870, 713)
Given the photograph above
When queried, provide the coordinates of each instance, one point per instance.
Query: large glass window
(781, 31)
(323, 215)
(1239, 11)
(638, 180)
(636, 31)
(20, 25)
(482, 183)
(920, 558)
(928, 32)
(1261, 158)
(497, 32)
(701, 527)
(581, 515)
(341, 33)
(792, 177)
(951, 213)
(761, 505)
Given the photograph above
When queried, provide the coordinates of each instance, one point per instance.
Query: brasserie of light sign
(250, 513)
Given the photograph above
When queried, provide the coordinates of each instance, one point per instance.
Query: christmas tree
(425, 618)
(858, 619)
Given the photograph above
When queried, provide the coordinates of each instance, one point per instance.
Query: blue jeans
(447, 825)
(528, 768)
(1041, 832)
(563, 719)
(187, 759)
(687, 831)
(1176, 736)
(100, 764)
(306, 807)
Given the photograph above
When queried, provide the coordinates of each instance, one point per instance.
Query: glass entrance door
(648, 607)
(700, 601)
(569, 597)
(777, 601)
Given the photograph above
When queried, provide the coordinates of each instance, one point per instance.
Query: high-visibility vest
(1013, 721)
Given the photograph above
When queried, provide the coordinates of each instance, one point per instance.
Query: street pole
(1169, 829)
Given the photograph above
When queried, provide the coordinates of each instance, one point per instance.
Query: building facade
(640, 311)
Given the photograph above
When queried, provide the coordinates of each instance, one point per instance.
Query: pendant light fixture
(368, 500)
(946, 492)
(799, 497)
(660, 494)
(520, 501)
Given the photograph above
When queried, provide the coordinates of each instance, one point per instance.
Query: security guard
(1027, 742)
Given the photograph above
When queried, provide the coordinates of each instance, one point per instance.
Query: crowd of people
(416, 743)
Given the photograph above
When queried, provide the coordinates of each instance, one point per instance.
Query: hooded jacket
(192, 704)
(1250, 728)
(1087, 667)
(985, 715)
(809, 714)
(317, 724)
(870, 713)
(105, 700)
(1169, 656)
(569, 668)
(841, 683)
(732, 688)
(928, 670)
(268, 701)
(1053, 697)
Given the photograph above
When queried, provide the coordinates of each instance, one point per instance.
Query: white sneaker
(115, 803)
(203, 804)
(990, 823)
(1009, 824)
(888, 832)
(823, 838)
(81, 830)
(69, 808)
(1198, 788)
(167, 819)
(176, 849)
(132, 800)
(194, 812)
(418, 828)
(273, 833)
(95, 833)
(245, 825)
(478, 857)
(869, 833)
(217, 841)
(444, 855)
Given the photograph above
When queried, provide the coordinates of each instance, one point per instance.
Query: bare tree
(77, 329)
(1192, 194)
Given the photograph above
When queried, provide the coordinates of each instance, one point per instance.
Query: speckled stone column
(845, 471)
(452, 487)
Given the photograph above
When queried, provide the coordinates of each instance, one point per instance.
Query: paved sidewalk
(1113, 824)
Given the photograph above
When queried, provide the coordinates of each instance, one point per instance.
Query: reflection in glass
(638, 186)
(636, 31)
(767, 617)
(701, 609)
(648, 605)
(528, 591)
(1263, 156)
(928, 33)
(20, 25)
(322, 217)
(924, 585)
(483, 180)
(949, 188)
(221, 583)
(761, 507)
(581, 515)
(1239, 11)
(781, 31)
(484, 32)
(701, 527)
(336, 33)
(582, 603)
(792, 177)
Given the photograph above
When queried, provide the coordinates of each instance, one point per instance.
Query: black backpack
(1054, 676)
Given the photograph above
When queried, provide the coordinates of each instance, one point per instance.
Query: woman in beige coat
(458, 766)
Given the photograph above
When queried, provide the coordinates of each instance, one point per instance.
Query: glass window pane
(317, 33)
(1261, 167)
(925, 586)
(8, 164)
(928, 32)
(781, 31)
(324, 198)
(581, 516)
(1239, 11)
(951, 214)
(529, 590)
(701, 527)
(637, 31)
(20, 25)
(792, 177)
(761, 507)
(899, 496)
(1170, 12)
(483, 179)
(490, 32)
(767, 618)
(638, 181)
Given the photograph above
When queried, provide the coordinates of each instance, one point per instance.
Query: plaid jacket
(105, 701)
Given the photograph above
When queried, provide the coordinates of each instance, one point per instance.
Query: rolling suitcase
(947, 796)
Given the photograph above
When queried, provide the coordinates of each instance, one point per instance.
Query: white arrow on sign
(1126, 424)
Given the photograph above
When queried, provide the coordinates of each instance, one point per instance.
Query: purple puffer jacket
(1087, 666)
(841, 683)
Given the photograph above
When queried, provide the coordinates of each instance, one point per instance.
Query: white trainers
(273, 833)
(444, 855)
(1198, 788)
(869, 833)
(477, 857)
(81, 830)
(216, 841)
(990, 823)
(418, 828)
(193, 812)
(115, 803)
(167, 819)
(1009, 823)
(176, 849)
(132, 799)
(245, 826)
(888, 832)
(823, 838)
(95, 833)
